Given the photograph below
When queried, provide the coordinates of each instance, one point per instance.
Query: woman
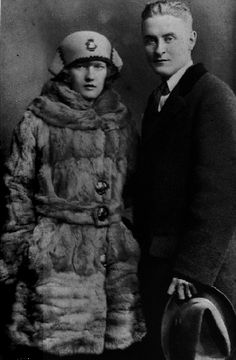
(66, 248)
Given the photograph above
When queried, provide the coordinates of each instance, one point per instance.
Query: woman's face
(89, 78)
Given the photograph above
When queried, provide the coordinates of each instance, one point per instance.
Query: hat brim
(93, 58)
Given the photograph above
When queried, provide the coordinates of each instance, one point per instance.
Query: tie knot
(163, 88)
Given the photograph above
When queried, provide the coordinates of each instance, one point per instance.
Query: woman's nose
(89, 73)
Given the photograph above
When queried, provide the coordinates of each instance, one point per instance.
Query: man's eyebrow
(150, 37)
(169, 34)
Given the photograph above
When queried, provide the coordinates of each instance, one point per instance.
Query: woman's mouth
(89, 87)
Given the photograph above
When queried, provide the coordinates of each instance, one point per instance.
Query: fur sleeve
(19, 181)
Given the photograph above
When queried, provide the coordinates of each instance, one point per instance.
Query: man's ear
(192, 39)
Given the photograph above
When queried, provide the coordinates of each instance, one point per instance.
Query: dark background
(32, 29)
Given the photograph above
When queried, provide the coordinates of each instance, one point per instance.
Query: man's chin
(160, 70)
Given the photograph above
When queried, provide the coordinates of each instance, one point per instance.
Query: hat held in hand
(83, 46)
(201, 328)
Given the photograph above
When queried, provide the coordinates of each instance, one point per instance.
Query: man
(186, 193)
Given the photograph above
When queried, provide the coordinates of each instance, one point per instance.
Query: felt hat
(84, 46)
(201, 328)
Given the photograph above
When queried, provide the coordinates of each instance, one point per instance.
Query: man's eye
(150, 41)
(169, 38)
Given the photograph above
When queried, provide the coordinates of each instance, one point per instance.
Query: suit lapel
(171, 111)
(175, 104)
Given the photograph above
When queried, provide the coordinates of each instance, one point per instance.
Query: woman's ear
(67, 76)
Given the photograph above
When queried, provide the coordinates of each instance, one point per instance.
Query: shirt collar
(174, 79)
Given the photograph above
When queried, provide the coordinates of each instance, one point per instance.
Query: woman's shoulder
(29, 122)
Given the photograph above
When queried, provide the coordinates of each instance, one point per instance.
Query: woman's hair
(166, 7)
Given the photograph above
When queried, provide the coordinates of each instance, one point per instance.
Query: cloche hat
(201, 328)
(84, 46)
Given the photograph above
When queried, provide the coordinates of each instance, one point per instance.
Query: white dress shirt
(172, 82)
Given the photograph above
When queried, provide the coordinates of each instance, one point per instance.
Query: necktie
(162, 90)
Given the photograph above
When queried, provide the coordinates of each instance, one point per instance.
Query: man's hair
(167, 7)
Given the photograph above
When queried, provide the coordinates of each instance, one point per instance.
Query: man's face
(89, 78)
(168, 42)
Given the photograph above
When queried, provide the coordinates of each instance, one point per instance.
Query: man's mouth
(159, 61)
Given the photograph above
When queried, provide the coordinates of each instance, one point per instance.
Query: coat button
(103, 260)
(102, 213)
(101, 187)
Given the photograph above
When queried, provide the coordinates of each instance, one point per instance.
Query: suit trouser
(155, 277)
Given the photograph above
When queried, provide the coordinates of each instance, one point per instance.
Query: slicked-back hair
(167, 7)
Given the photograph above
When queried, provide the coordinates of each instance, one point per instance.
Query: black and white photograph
(118, 180)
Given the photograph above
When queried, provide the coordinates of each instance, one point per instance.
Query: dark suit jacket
(187, 176)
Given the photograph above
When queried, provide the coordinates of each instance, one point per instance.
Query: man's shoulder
(212, 89)
(199, 83)
(211, 84)
(211, 80)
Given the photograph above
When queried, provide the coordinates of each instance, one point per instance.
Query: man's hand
(182, 288)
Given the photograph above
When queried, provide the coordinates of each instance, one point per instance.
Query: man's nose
(89, 73)
(160, 48)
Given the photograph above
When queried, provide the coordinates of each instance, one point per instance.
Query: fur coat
(66, 248)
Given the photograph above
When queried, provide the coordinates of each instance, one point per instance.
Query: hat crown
(204, 327)
(197, 315)
(85, 45)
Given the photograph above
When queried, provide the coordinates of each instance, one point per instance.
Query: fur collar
(61, 106)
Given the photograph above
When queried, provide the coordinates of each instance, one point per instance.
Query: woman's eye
(78, 66)
(99, 66)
